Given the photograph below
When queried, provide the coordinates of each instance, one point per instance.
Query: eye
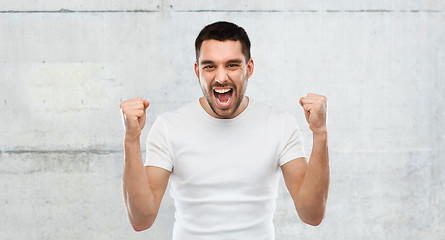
(209, 67)
(232, 65)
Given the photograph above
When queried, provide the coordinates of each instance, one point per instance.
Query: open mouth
(223, 96)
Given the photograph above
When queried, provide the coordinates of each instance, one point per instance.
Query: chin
(226, 112)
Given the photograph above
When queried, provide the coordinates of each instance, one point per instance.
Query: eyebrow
(235, 60)
(206, 62)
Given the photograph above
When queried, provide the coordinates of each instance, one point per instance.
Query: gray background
(66, 66)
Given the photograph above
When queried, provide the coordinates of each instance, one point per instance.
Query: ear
(197, 70)
(250, 67)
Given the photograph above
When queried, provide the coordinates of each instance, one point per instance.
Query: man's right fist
(133, 112)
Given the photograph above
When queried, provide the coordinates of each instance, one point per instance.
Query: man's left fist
(314, 106)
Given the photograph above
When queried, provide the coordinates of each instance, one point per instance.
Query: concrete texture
(65, 68)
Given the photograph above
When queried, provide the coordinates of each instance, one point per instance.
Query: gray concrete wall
(66, 66)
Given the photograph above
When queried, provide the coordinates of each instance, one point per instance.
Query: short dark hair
(222, 31)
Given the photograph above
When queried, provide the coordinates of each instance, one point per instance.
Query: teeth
(222, 90)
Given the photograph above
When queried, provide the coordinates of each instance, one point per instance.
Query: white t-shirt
(224, 172)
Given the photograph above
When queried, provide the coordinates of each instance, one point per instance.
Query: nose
(221, 76)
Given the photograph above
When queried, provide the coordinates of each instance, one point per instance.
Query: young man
(223, 152)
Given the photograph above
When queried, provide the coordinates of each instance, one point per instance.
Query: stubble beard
(235, 91)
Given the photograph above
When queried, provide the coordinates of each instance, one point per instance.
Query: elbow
(311, 212)
(142, 223)
(313, 222)
(312, 216)
(139, 227)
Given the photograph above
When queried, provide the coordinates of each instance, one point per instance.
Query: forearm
(139, 199)
(313, 193)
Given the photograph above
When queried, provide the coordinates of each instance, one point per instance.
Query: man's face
(223, 72)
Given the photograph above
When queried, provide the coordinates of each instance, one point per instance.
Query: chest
(242, 159)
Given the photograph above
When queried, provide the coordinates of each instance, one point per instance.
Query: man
(223, 152)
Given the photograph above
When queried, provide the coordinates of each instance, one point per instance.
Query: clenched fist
(314, 106)
(133, 111)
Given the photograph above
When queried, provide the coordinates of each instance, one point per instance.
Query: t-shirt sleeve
(158, 150)
(293, 145)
